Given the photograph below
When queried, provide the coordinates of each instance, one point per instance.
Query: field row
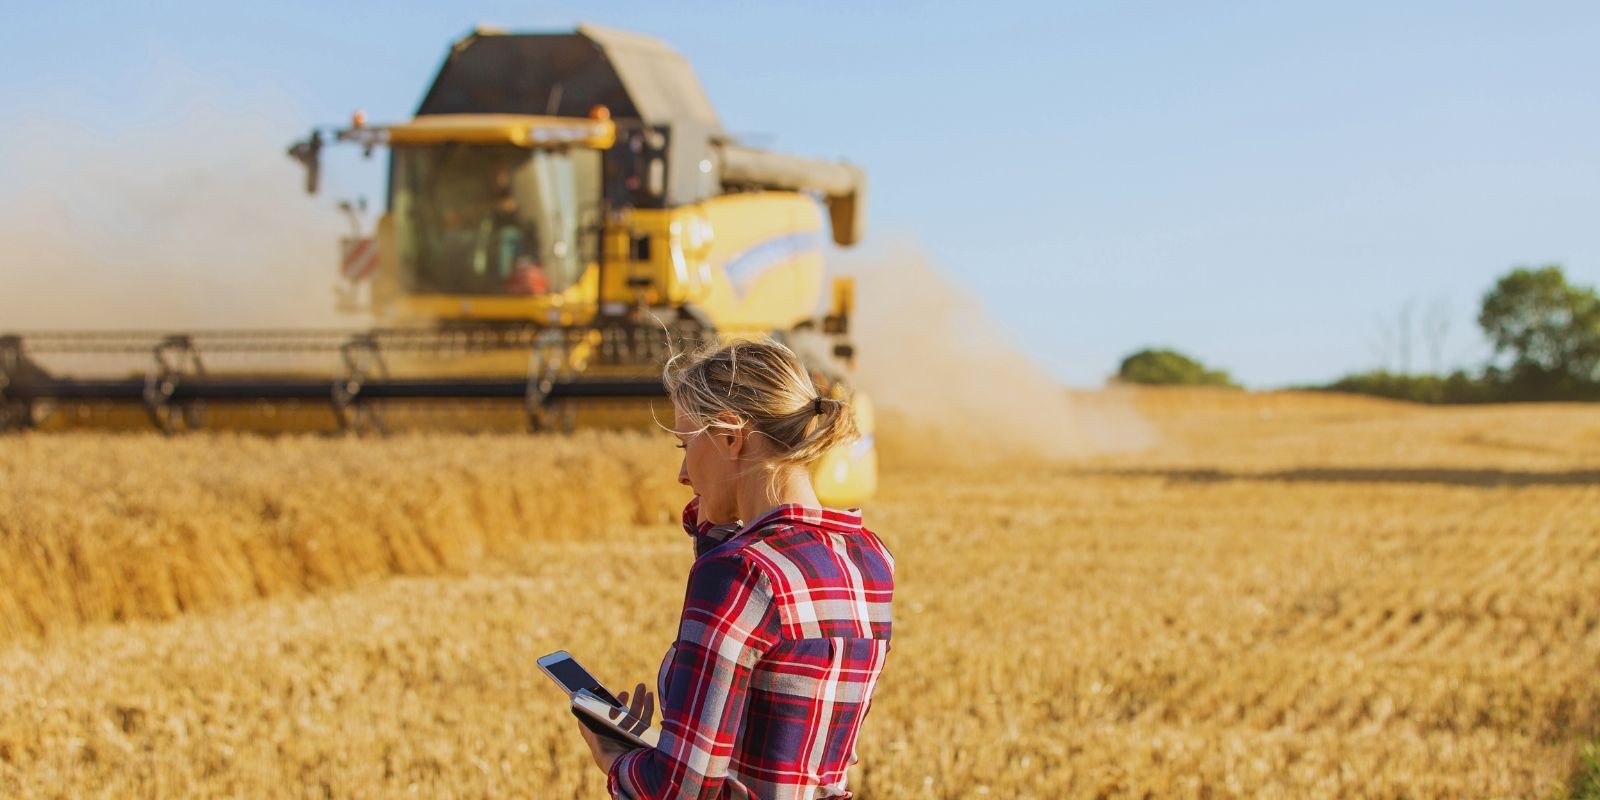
(107, 528)
(1302, 605)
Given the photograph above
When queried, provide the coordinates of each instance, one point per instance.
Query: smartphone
(571, 676)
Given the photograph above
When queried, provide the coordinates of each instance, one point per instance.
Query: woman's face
(709, 468)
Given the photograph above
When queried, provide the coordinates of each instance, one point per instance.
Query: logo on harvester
(747, 266)
(358, 258)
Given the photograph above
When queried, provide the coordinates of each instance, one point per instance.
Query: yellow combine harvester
(563, 211)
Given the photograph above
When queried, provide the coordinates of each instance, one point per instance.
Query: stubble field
(1290, 596)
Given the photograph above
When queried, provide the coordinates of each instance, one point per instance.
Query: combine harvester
(563, 212)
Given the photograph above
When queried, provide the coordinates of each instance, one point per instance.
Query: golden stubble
(111, 528)
(1296, 596)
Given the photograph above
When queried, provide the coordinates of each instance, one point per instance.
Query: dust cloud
(194, 219)
(951, 389)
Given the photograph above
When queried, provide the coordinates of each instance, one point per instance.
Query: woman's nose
(683, 472)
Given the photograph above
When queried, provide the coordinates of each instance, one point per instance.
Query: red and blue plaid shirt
(784, 632)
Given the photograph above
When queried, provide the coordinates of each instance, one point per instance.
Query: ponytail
(765, 386)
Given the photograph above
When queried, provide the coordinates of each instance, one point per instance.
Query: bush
(1170, 368)
(1457, 387)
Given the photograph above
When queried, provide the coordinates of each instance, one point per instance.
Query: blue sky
(1254, 183)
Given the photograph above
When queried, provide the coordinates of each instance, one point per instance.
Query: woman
(785, 623)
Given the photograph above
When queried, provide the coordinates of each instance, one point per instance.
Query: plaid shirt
(784, 632)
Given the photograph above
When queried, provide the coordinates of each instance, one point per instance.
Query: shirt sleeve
(729, 623)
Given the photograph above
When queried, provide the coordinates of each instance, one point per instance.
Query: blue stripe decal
(749, 265)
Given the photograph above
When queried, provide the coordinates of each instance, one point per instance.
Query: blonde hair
(765, 387)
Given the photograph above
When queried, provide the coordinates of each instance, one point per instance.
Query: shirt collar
(840, 521)
(707, 535)
(719, 533)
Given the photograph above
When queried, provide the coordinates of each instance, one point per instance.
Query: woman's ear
(736, 435)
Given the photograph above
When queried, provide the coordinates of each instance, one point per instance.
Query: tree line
(1545, 331)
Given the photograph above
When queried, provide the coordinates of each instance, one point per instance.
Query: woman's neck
(791, 485)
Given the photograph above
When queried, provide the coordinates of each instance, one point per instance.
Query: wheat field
(1288, 596)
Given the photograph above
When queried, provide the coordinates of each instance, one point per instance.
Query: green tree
(1548, 327)
(1169, 368)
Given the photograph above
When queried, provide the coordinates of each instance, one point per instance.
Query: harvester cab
(562, 212)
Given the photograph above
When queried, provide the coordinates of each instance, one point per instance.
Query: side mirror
(309, 154)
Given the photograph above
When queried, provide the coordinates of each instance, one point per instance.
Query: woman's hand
(635, 719)
(604, 749)
(640, 712)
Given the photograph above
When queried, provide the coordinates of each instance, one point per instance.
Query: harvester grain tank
(562, 212)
